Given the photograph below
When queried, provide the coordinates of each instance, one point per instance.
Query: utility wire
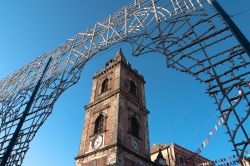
(182, 116)
(239, 13)
(205, 124)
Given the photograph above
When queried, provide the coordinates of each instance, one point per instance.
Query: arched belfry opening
(132, 87)
(134, 127)
(99, 124)
(105, 85)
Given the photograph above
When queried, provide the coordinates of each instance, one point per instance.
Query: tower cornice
(115, 62)
(115, 92)
(112, 146)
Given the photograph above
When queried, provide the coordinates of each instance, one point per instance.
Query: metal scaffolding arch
(196, 36)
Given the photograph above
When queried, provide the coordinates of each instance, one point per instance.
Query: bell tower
(115, 131)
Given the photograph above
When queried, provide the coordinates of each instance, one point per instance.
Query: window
(99, 124)
(105, 86)
(91, 163)
(132, 88)
(181, 161)
(130, 162)
(134, 127)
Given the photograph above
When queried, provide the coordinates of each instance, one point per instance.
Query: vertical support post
(233, 27)
(23, 117)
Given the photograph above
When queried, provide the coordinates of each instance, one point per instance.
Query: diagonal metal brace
(22, 119)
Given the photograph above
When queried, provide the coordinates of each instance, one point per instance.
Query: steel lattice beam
(190, 33)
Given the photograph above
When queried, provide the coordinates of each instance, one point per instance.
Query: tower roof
(118, 59)
(120, 56)
(160, 154)
(160, 160)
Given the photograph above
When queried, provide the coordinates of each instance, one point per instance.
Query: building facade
(176, 155)
(115, 129)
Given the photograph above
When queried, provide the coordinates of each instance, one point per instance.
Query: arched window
(134, 127)
(99, 124)
(132, 88)
(105, 85)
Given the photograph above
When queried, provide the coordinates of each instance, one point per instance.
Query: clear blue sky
(180, 111)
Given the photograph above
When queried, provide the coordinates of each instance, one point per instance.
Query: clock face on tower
(97, 142)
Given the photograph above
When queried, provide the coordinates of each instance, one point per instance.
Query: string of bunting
(231, 160)
(219, 124)
(211, 133)
(226, 161)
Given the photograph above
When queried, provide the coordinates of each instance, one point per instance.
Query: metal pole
(22, 120)
(233, 27)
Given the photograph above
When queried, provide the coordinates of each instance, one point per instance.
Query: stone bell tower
(115, 129)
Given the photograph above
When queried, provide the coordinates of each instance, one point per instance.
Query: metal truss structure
(192, 35)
